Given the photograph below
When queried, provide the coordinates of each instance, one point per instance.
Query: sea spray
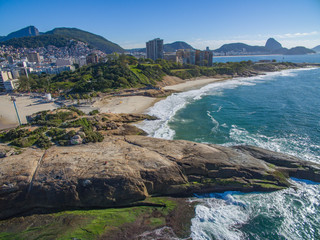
(287, 214)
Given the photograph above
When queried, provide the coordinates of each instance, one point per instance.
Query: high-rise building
(155, 49)
(186, 56)
(204, 58)
(33, 57)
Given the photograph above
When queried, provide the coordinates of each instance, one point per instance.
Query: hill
(272, 44)
(316, 49)
(169, 47)
(172, 47)
(24, 32)
(299, 51)
(240, 47)
(59, 37)
(271, 47)
(94, 40)
(38, 41)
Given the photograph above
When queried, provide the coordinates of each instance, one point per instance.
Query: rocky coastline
(123, 170)
(130, 171)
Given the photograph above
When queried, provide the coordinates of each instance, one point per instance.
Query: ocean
(278, 111)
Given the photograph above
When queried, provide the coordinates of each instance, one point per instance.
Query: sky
(201, 23)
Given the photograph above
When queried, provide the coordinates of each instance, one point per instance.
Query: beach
(28, 105)
(193, 84)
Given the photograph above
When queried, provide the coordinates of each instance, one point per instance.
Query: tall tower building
(155, 49)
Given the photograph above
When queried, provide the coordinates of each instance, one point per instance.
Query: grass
(139, 74)
(84, 224)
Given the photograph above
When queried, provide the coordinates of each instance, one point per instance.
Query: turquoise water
(278, 111)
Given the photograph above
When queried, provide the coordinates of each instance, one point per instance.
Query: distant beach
(119, 104)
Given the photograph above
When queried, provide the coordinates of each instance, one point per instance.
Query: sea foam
(276, 215)
(166, 109)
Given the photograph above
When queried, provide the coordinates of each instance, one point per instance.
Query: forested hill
(122, 72)
(271, 47)
(29, 37)
(38, 41)
(239, 47)
(172, 47)
(94, 40)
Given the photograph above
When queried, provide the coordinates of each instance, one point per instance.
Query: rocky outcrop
(122, 170)
(272, 44)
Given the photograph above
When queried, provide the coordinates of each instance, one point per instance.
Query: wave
(166, 109)
(287, 214)
(292, 144)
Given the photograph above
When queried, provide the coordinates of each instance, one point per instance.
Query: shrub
(81, 122)
(94, 112)
(14, 134)
(54, 132)
(43, 142)
(93, 137)
(25, 141)
(76, 110)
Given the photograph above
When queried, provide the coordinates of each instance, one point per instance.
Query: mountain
(316, 49)
(169, 47)
(93, 40)
(172, 47)
(271, 47)
(31, 38)
(299, 51)
(24, 32)
(240, 47)
(272, 44)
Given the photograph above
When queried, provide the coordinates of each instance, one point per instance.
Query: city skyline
(202, 23)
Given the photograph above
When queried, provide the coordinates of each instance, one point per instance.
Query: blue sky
(201, 23)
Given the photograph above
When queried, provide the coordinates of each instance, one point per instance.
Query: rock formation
(273, 44)
(122, 170)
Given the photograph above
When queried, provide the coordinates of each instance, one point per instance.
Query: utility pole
(15, 107)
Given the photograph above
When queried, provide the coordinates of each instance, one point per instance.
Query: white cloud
(295, 35)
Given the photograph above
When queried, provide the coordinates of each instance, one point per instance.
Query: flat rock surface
(122, 170)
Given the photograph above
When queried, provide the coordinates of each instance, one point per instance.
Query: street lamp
(15, 107)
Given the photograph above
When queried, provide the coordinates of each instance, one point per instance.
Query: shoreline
(110, 104)
(138, 103)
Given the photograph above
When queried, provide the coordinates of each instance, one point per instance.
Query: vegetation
(60, 37)
(274, 48)
(48, 128)
(122, 72)
(93, 40)
(38, 41)
(93, 224)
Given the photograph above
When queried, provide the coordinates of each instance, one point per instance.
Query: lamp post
(15, 107)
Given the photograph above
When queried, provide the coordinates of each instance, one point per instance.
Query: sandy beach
(193, 84)
(120, 104)
(26, 106)
(131, 104)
